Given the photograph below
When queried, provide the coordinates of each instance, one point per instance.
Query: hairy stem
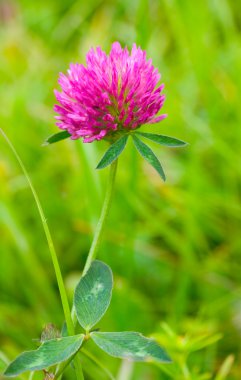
(103, 216)
(60, 281)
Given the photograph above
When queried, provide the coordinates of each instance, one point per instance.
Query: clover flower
(110, 98)
(112, 94)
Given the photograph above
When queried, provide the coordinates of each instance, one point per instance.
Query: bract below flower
(112, 94)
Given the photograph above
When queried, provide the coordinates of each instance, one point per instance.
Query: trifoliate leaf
(113, 152)
(49, 353)
(130, 345)
(163, 140)
(57, 137)
(93, 294)
(149, 156)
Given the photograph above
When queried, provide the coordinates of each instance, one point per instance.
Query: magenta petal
(112, 91)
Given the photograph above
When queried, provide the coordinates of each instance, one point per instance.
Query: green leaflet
(163, 140)
(113, 152)
(93, 294)
(91, 300)
(130, 345)
(149, 156)
(57, 137)
(49, 353)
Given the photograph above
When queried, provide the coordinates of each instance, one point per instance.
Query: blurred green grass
(174, 247)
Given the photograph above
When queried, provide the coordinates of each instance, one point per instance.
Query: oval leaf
(130, 345)
(49, 353)
(163, 140)
(149, 156)
(113, 152)
(57, 137)
(93, 294)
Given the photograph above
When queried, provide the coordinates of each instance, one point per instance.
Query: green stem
(64, 366)
(98, 363)
(126, 370)
(62, 291)
(103, 216)
(90, 356)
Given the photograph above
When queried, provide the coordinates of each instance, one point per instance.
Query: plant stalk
(103, 216)
(60, 281)
(100, 225)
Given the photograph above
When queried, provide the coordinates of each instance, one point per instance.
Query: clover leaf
(91, 300)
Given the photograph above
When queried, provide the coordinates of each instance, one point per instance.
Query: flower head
(112, 94)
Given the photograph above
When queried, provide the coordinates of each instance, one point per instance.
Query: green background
(174, 247)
